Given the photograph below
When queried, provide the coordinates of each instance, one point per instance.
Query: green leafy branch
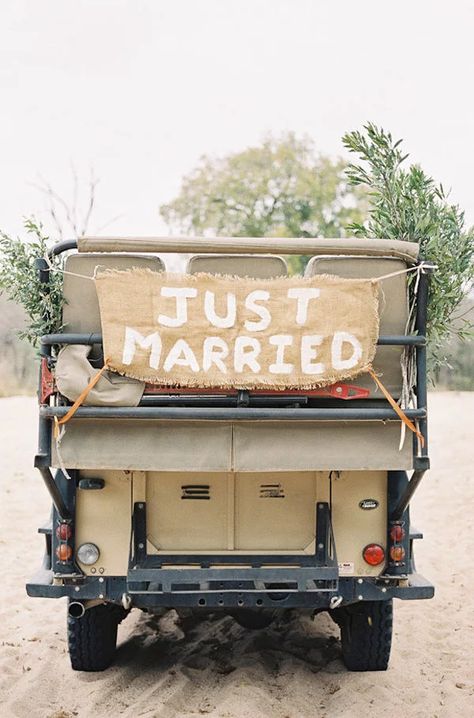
(407, 204)
(19, 279)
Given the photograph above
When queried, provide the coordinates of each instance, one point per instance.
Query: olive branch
(405, 203)
(19, 279)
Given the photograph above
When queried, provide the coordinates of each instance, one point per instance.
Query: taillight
(373, 554)
(397, 553)
(397, 533)
(63, 532)
(64, 552)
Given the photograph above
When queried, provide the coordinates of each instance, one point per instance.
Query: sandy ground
(214, 667)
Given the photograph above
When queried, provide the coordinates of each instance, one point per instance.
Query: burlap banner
(213, 331)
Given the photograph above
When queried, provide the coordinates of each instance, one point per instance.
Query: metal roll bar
(407, 251)
(191, 413)
(49, 340)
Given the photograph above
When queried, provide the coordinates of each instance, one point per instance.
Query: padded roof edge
(408, 251)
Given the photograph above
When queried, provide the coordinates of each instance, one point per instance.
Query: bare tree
(72, 217)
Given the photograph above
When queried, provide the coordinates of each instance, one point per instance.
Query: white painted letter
(249, 358)
(303, 296)
(181, 294)
(281, 341)
(181, 354)
(210, 310)
(132, 338)
(214, 350)
(308, 353)
(339, 339)
(259, 295)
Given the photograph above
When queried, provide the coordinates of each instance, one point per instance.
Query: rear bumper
(294, 589)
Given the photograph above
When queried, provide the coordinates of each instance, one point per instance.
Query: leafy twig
(407, 204)
(19, 280)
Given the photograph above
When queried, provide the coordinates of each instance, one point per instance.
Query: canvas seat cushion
(393, 309)
(81, 308)
(244, 265)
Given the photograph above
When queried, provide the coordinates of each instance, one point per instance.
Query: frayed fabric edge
(245, 386)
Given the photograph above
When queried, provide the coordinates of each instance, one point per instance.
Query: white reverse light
(88, 553)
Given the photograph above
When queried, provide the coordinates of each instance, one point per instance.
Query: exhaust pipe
(76, 609)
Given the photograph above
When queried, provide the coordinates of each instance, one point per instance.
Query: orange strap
(395, 406)
(79, 400)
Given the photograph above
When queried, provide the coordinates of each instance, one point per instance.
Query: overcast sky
(139, 89)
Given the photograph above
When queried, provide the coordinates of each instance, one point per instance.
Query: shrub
(405, 203)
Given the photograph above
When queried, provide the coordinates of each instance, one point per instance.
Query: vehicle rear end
(249, 502)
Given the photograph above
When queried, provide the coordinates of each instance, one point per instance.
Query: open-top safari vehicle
(245, 501)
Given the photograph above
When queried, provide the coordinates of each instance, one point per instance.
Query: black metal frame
(201, 578)
(298, 580)
(113, 588)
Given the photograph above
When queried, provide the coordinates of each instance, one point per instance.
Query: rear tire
(92, 639)
(366, 634)
(253, 619)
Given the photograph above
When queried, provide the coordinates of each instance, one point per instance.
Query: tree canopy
(285, 188)
(282, 188)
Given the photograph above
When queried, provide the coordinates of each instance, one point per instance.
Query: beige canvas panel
(145, 445)
(306, 446)
(81, 311)
(408, 251)
(103, 517)
(393, 308)
(247, 446)
(246, 265)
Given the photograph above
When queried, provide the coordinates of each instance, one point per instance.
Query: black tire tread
(253, 619)
(92, 639)
(366, 635)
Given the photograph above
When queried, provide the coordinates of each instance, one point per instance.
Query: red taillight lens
(373, 554)
(397, 533)
(64, 532)
(397, 553)
(64, 552)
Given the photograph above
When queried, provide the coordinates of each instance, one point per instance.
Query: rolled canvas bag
(74, 372)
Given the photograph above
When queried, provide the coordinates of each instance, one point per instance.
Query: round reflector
(373, 554)
(88, 553)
